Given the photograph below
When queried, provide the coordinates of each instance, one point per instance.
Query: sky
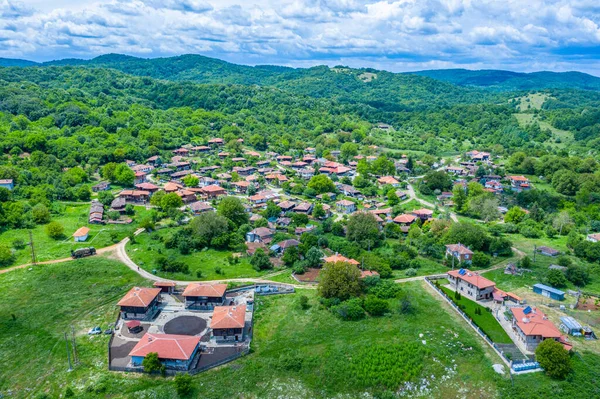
(404, 35)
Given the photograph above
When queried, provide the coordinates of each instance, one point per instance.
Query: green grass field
(485, 320)
(295, 353)
(74, 217)
(148, 247)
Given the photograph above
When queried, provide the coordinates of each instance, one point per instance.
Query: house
(280, 247)
(548, 251)
(175, 352)
(327, 196)
(81, 234)
(348, 190)
(557, 267)
(306, 173)
(571, 326)
(519, 183)
(7, 184)
(283, 222)
(213, 191)
(118, 205)
(401, 195)
(204, 296)
(228, 323)
(240, 186)
(260, 234)
(154, 160)
(181, 152)
(167, 287)
(258, 199)
(186, 196)
(216, 141)
(593, 237)
(140, 303)
(181, 174)
(200, 149)
(140, 177)
(327, 210)
(368, 273)
(286, 206)
(549, 292)
(151, 188)
(138, 196)
(199, 207)
(532, 327)
(346, 206)
(471, 284)
(388, 180)
(460, 252)
(102, 186)
(340, 258)
(251, 247)
(303, 207)
(96, 213)
(423, 214)
(455, 170)
(405, 220)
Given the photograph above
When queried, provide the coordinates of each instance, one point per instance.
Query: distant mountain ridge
(201, 69)
(507, 80)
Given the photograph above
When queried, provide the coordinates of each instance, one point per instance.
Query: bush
(480, 260)
(55, 230)
(183, 384)
(384, 289)
(410, 272)
(375, 306)
(18, 243)
(69, 393)
(578, 275)
(151, 363)
(406, 306)
(171, 265)
(303, 302)
(349, 310)
(553, 358)
(6, 256)
(556, 278)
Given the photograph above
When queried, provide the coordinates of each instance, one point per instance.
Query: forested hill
(381, 90)
(511, 81)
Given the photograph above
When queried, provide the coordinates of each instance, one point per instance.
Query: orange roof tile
(139, 297)
(228, 317)
(167, 346)
(472, 278)
(208, 290)
(535, 323)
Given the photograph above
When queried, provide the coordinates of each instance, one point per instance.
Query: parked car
(108, 331)
(95, 331)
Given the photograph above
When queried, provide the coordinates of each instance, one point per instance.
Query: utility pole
(68, 352)
(74, 343)
(534, 252)
(33, 258)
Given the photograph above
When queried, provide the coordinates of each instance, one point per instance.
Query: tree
(55, 230)
(553, 358)
(363, 229)
(151, 363)
(480, 260)
(566, 182)
(171, 201)
(392, 198)
(208, 226)
(313, 257)
(290, 256)
(562, 220)
(577, 275)
(514, 215)
(183, 384)
(191, 181)
(438, 180)
(321, 184)
(556, 278)
(6, 256)
(318, 211)
(459, 197)
(40, 213)
(258, 141)
(347, 151)
(272, 210)
(123, 175)
(471, 235)
(339, 280)
(260, 260)
(233, 209)
(106, 197)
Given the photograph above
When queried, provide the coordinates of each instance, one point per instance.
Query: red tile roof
(82, 231)
(139, 297)
(535, 323)
(340, 258)
(405, 218)
(228, 317)
(208, 290)
(167, 346)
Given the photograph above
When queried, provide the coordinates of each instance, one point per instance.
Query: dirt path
(413, 196)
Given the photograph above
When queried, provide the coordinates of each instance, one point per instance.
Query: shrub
(384, 289)
(480, 260)
(303, 302)
(55, 230)
(349, 310)
(375, 306)
(578, 275)
(6, 256)
(183, 384)
(406, 306)
(218, 270)
(151, 363)
(18, 243)
(556, 278)
(69, 393)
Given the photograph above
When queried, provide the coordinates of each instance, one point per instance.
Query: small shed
(570, 326)
(548, 251)
(168, 287)
(549, 292)
(134, 326)
(81, 234)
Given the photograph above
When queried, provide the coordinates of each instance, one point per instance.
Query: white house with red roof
(532, 327)
(519, 183)
(460, 252)
(471, 284)
(176, 352)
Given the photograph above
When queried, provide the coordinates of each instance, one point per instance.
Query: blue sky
(405, 35)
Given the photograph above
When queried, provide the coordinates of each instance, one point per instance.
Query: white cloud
(395, 34)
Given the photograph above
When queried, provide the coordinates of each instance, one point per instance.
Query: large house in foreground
(471, 284)
(204, 296)
(175, 352)
(228, 323)
(532, 327)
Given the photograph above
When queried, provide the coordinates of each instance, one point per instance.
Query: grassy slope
(148, 248)
(73, 218)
